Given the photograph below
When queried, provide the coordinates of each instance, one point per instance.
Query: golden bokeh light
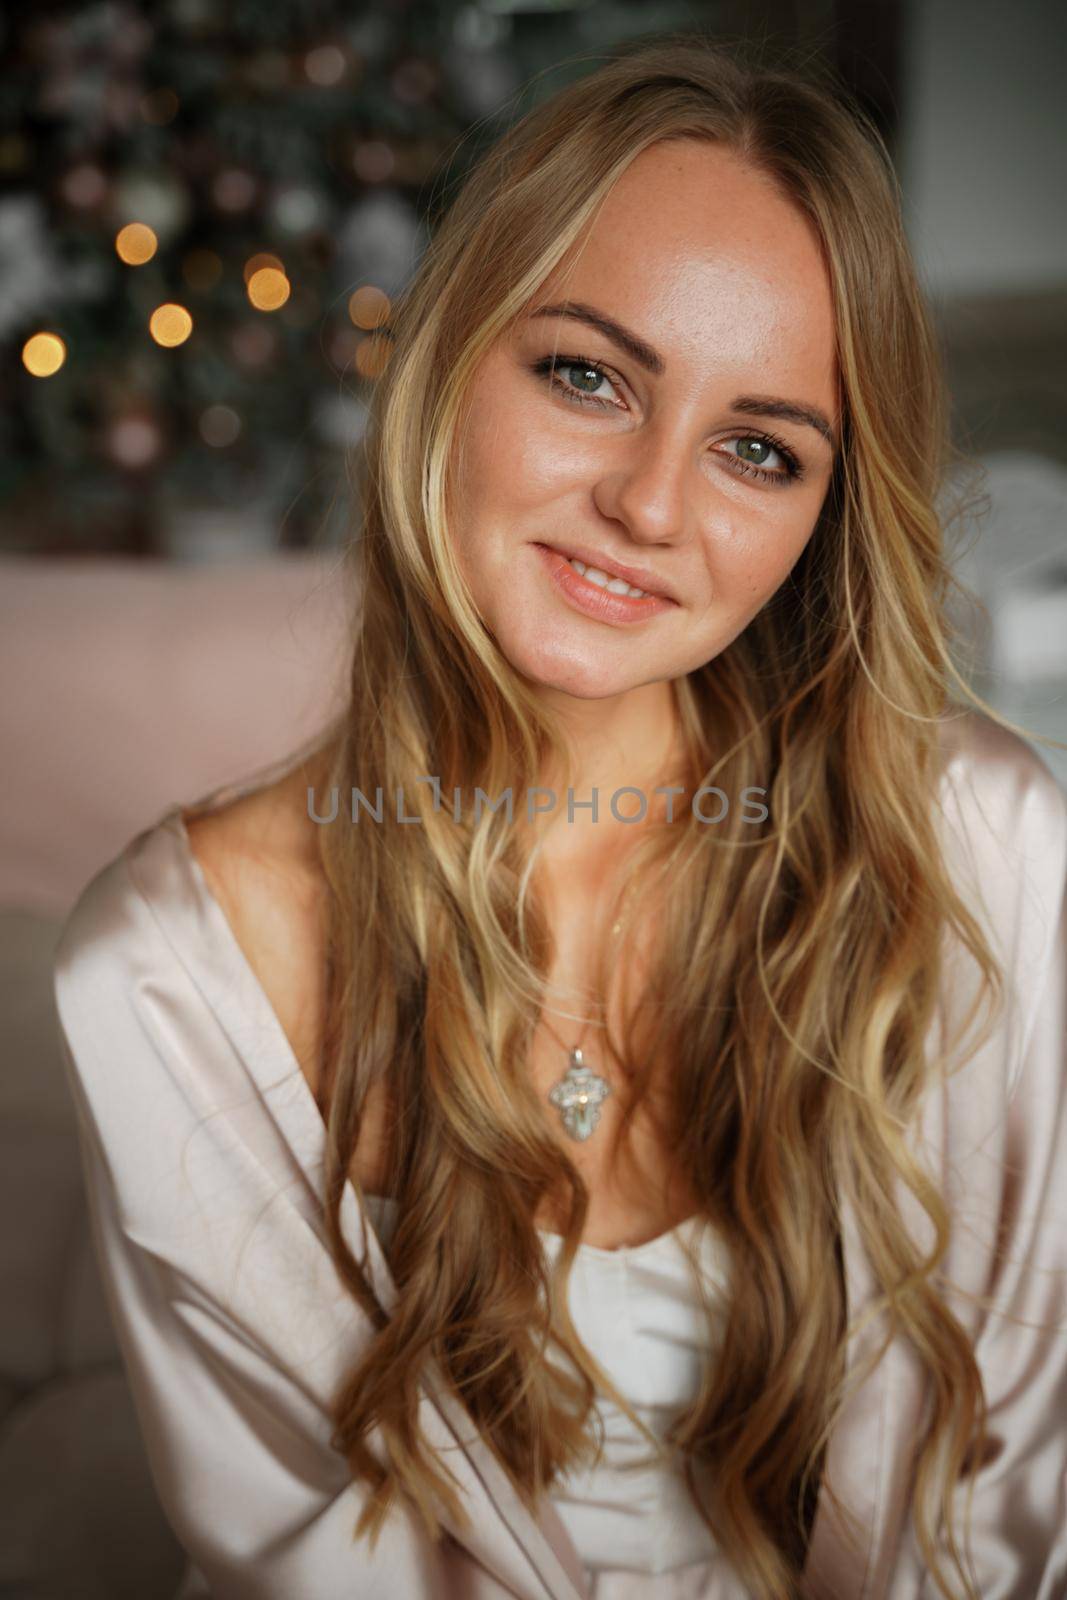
(372, 355)
(136, 244)
(268, 289)
(43, 354)
(264, 258)
(369, 307)
(170, 324)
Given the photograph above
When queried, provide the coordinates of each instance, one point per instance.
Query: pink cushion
(129, 685)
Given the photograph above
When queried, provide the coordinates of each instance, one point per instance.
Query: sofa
(128, 686)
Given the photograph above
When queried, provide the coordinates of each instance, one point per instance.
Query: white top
(637, 1309)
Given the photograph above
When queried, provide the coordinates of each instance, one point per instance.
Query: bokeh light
(253, 344)
(170, 324)
(262, 259)
(373, 160)
(234, 189)
(369, 307)
(84, 185)
(372, 355)
(134, 441)
(219, 426)
(297, 209)
(325, 65)
(43, 354)
(268, 289)
(135, 244)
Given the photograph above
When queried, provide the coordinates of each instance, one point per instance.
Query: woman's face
(664, 461)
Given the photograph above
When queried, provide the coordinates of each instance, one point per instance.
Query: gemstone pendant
(578, 1095)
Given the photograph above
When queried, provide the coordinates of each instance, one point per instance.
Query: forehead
(714, 265)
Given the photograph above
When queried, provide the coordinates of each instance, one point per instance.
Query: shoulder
(125, 946)
(998, 791)
(259, 858)
(1004, 822)
(110, 939)
(133, 1031)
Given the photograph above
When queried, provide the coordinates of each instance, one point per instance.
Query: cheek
(514, 455)
(479, 472)
(474, 457)
(752, 558)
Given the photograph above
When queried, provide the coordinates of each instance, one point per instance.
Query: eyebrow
(752, 405)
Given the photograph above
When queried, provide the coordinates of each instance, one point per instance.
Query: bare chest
(636, 1192)
(276, 918)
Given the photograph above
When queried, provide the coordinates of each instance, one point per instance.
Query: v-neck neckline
(175, 818)
(246, 1011)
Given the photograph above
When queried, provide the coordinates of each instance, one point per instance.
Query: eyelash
(547, 368)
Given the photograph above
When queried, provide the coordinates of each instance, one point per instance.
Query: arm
(237, 1437)
(1019, 1507)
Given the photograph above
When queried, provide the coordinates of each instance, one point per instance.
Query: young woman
(665, 1199)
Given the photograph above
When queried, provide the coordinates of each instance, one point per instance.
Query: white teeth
(601, 579)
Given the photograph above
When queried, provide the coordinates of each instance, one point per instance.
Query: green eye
(757, 446)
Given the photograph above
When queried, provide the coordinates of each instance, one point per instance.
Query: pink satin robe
(202, 1150)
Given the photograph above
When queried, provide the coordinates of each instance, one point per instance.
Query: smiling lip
(640, 577)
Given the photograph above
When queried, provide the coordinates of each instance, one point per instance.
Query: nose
(648, 487)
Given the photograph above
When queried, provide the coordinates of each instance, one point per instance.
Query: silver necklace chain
(579, 1093)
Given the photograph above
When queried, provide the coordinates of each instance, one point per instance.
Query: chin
(586, 678)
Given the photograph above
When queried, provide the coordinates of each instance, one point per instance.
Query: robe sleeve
(238, 1447)
(1019, 1506)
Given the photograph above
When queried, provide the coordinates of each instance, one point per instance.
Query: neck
(629, 742)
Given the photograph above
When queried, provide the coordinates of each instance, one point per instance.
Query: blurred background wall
(982, 158)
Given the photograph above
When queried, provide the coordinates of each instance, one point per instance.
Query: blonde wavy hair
(799, 963)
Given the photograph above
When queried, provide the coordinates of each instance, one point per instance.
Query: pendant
(578, 1095)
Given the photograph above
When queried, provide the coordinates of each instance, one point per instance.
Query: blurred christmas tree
(233, 138)
(206, 210)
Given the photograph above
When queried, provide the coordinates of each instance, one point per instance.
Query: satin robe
(202, 1151)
